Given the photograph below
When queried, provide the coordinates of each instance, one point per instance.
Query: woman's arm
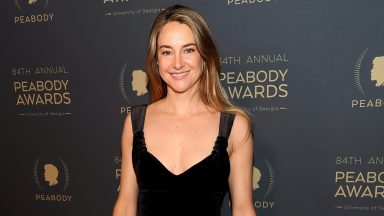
(241, 158)
(126, 203)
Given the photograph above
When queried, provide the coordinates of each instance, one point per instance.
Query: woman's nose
(178, 61)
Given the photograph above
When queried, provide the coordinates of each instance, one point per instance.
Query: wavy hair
(210, 89)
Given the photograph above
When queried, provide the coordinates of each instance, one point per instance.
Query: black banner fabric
(310, 73)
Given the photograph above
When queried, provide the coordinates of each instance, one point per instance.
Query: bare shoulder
(242, 122)
(154, 108)
(128, 123)
(127, 134)
(241, 132)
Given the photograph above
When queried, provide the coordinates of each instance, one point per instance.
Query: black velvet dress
(199, 191)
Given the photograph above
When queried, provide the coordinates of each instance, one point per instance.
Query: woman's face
(180, 63)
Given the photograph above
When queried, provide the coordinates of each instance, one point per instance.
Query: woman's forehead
(175, 34)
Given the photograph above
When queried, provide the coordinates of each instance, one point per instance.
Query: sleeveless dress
(198, 191)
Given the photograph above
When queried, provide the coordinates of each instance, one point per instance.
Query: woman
(190, 154)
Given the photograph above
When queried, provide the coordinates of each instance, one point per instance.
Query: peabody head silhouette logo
(31, 5)
(51, 174)
(256, 178)
(139, 82)
(377, 72)
(133, 84)
(263, 178)
(369, 71)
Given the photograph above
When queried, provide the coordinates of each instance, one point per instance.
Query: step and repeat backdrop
(311, 74)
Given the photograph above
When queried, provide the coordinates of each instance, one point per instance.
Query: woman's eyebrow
(170, 47)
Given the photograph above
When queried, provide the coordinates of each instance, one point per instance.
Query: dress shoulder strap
(138, 117)
(226, 122)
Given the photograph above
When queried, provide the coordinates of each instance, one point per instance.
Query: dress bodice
(199, 190)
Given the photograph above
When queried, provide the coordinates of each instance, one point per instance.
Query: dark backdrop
(303, 68)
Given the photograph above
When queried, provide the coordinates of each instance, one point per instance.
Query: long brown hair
(210, 90)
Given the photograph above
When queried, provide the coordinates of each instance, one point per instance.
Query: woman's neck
(181, 104)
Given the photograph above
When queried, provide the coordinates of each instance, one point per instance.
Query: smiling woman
(190, 146)
(180, 64)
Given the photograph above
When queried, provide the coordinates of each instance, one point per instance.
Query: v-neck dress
(198, 191)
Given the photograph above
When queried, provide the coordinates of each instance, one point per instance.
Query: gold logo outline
(272, 177)
(21, 9)
(359, 61)
(122, 83)
(36, 175)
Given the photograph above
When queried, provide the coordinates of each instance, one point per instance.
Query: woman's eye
(190, 50)
(166, 53)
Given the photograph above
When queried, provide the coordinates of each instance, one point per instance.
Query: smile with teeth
(179, 74)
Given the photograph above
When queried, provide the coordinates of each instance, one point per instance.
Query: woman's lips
(179, 75)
